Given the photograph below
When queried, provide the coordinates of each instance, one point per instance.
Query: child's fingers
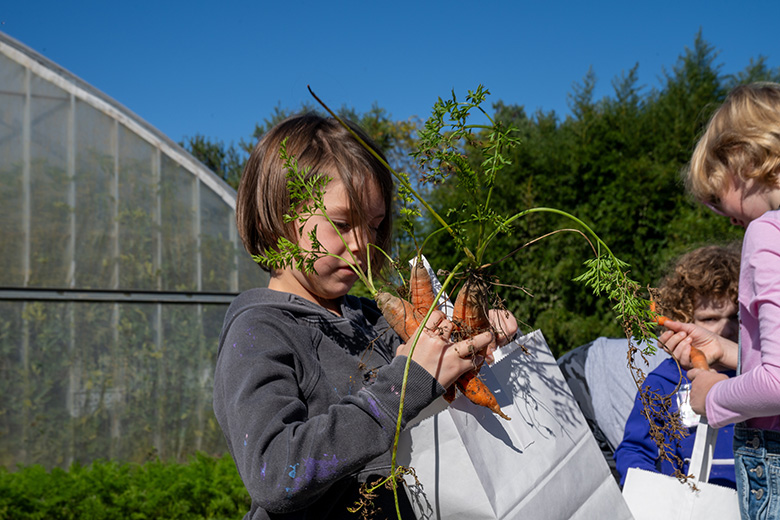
(474, 345)
(504, 324)
(673, 341)
(678, 345)
(435, 319)
(439, 326)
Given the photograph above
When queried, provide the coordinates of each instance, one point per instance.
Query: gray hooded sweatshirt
(308, 402)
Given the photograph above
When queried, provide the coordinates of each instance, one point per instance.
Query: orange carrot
(421, 288)
(469, 314)
(470, 318)
(399, 313)
(659, 319)
(405, 318)
(698, 359)
(478, 393)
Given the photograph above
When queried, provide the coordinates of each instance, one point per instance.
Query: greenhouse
(119, 256)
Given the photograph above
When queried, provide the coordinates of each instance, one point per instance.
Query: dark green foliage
(226, 161)
(205, 487)
(616, 164)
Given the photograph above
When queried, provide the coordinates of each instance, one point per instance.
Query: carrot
(698, 359)
(450, 394)
(469, 314)
(478, 393)
(470, 318)
(421, 288)
(399, 313)
(403, 316)
(659, 319)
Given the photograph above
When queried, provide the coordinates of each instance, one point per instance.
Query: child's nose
(737, 222)
(730, 329)
(356, 239)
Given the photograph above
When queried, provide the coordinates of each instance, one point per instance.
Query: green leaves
(603, 276)
(607, 275)
(306, 200)
(450, 146)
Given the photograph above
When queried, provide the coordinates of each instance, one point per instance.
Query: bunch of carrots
(469, 317)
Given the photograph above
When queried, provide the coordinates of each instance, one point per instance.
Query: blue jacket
(638, 449)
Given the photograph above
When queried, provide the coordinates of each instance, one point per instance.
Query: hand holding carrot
(680, 337)
(475, 328)
(701, 383)
(505, 325)
(444, 360)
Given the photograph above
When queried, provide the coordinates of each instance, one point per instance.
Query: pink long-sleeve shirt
(754, 395)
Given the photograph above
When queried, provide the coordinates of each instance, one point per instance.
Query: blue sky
(216, 68)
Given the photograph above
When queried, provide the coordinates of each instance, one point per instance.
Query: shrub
(203, 488)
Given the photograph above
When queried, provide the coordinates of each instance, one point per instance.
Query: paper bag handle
(704, 444)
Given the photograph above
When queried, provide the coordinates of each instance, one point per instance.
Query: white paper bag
(543, 464)
(655, 496)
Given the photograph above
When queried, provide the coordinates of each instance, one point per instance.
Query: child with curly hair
(701, 288)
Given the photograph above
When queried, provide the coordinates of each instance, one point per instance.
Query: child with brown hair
(734, 171)
(308, 378)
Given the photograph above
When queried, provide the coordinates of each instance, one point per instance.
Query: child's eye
(343, 227)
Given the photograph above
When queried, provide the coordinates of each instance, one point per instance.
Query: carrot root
(421, 288)
(399, 313)
(698, 359)
(478, 393)
(470, 309)
(659, 319)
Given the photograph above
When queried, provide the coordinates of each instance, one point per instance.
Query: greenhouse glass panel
(138, 217)
(118, 259)
(95, 398)
(12, 101)
(179, 223)
(14, 384)
(250, 274)
(218, 251)
(43, 369)
(95, 186)
(49, 211)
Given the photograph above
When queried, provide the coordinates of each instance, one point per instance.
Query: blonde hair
(742, 140)
(325, 147)
(709, 271)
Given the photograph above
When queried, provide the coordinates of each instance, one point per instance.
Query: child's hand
(701, 382)
(444, 360)
(505, 325)
(678, 340)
